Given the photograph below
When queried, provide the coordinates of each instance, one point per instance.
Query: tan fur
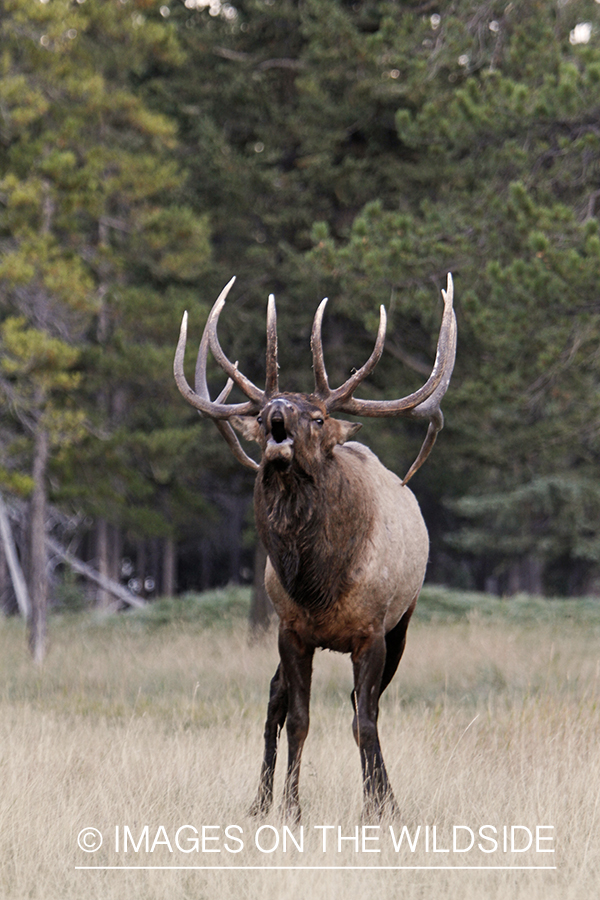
(389, 571)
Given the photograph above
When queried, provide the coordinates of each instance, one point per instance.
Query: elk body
(347, 546)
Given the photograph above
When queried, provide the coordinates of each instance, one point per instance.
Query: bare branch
(112, 587)
(238, 56)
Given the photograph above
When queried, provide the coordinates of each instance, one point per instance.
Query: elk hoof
(376, 809)
(260, 806)
(291, 813)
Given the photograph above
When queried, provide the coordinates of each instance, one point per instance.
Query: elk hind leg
(395, 642)
(369, 664)
(276, 714)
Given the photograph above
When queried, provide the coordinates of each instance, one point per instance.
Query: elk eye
(318, 421)
(259, 420)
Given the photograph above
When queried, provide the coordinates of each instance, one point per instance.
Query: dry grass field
(156, 720)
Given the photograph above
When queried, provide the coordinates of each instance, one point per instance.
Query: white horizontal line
(326, 868)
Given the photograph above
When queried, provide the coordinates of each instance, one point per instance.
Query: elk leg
(395, 642)
(276, 713)
(296, 661)
(369, 665)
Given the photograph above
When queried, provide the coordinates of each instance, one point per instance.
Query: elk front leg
(296, 661)
(368, 661)
(276, 713)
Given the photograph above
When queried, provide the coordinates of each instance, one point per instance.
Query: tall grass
(156, 719)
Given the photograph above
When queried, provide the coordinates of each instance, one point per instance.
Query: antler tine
(430, 408)
(426, 446)
(224, 428)
(201, 401)
(322, 388)
(441, 372)
(249, 389)
(236, 448)
(200, 382)
(339, 396)
(272, 376)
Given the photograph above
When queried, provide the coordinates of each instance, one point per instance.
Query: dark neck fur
(312, 532)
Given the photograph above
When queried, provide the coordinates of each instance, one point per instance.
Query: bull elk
(347, 545)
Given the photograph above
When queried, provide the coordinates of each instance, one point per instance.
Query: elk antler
(217, 410)
(423, 403)
(210, 408)
(249, 389)
(224, 427)
(272, 379)
(334, 399)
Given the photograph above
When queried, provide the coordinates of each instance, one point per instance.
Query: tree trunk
(169, 565)
(11, 560)
(141, 564)
(38, 568)
(103, 598)
(533, 571)
(115, 553)
(4, 582)
(261, 608)
(525, 576)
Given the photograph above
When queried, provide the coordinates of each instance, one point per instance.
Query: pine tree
(96, 238)
(363, 150)
(499, 110)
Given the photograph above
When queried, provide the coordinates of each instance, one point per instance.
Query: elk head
(275, 420)
(295, 430)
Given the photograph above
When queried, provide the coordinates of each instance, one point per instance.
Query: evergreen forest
(354, 149)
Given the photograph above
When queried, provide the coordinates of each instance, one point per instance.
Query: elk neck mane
(314, 528)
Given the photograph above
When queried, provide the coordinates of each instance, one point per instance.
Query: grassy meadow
(155, 718)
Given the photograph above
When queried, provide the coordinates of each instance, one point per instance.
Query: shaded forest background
(356, 150)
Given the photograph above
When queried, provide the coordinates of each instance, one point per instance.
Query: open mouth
(280, 446)
(278, 432)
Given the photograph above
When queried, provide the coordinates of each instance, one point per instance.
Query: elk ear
(344, 431)
(247, 426)
(347, 430)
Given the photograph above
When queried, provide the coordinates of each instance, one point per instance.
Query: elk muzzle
(278, 419)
